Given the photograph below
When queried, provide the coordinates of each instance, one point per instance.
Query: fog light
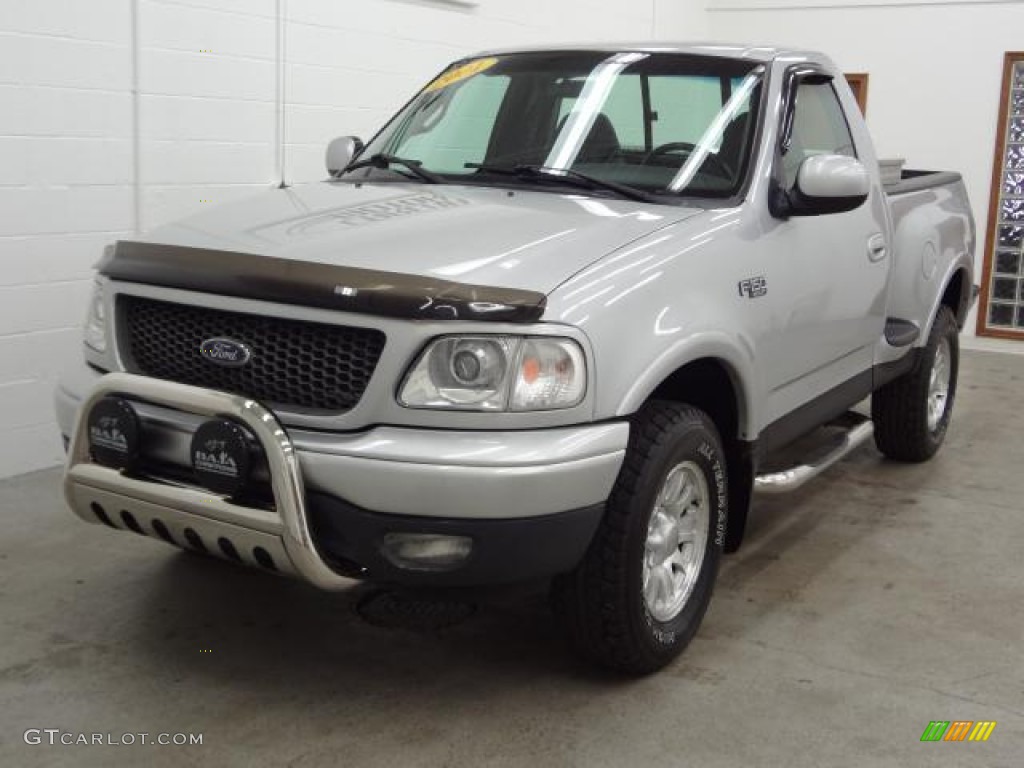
(426, 551)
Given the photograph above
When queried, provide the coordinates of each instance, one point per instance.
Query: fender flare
(961, 262)
(734, 353)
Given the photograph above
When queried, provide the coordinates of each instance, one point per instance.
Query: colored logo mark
(958, 730)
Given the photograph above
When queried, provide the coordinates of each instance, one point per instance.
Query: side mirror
(340, 153)
(829, 184)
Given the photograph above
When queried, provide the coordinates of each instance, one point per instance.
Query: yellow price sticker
(461, 73)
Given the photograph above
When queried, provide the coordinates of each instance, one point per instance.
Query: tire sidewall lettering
(709, 452)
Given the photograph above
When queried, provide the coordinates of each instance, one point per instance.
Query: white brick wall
(65, 191)
(207, 131)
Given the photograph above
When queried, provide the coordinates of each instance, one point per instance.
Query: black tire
(900, 408)
(602, 601)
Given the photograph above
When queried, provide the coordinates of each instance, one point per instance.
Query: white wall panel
(22, 402)
(58, 210)
(46, 306)
(173, 118)
(54, 161)
(64, 112)
(55, 61)
(39, 355)
(266, 8)
(96, 20)
(207, 162)
(762, 5)
(29, 448)
(680, 20)
(192, 29)
(195, 74)
(31, 260)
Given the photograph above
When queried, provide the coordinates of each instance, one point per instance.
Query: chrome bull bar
(283, 531)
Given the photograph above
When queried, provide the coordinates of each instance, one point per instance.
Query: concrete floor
(875, 600)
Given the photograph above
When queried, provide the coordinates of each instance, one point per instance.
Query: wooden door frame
(861, 78)
(992, 230)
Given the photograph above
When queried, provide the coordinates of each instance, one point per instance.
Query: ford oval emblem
(226, 352)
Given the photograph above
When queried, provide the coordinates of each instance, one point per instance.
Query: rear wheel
(639, 595)
(912, 413)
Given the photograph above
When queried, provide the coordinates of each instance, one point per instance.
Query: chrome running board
(787, 480)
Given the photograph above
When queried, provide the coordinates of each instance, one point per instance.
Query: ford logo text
(226, 352)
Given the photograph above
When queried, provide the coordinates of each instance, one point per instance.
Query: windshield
(658, 122)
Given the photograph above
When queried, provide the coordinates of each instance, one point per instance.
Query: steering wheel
(715, 164)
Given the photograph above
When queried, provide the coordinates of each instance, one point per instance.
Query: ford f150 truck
(555, 321)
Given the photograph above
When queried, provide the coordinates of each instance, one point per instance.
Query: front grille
(294, 362)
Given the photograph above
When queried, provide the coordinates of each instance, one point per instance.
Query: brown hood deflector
(312, 284)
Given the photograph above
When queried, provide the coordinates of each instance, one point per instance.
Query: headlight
(96, 321)
(497, 373)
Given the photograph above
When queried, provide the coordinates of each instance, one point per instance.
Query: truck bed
(916, 180)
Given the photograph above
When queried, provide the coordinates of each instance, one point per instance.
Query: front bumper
(529, 500)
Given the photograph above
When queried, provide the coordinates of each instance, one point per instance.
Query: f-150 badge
(753, 287)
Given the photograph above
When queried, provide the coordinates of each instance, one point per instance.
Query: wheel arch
(957, 295)
(956, 292)
(688, 367)
(715, 386)
(709, 384)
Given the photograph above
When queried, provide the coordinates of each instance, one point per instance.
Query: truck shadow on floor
(257, 630)
(260, 627)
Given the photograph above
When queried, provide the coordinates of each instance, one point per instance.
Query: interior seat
(734, 143)
(602, 142)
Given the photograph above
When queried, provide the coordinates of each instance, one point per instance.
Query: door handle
(876, 247)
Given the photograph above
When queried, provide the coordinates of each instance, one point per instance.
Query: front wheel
(639, 595)
(912, 413)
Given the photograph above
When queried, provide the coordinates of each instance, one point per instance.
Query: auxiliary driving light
(114, 433)
(224, 455)
(426, 551)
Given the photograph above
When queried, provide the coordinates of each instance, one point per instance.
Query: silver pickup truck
(556, 321)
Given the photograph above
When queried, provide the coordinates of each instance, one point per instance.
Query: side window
(819, 128)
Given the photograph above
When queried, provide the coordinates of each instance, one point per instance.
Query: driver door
(828, 279)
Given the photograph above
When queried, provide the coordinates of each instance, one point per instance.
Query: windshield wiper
(384, 162)
(566, 176)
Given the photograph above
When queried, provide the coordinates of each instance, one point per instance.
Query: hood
(484, 236)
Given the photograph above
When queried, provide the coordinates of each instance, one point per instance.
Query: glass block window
(1003, 312)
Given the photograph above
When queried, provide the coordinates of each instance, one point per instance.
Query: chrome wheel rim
(676, 537)
(938, 385)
